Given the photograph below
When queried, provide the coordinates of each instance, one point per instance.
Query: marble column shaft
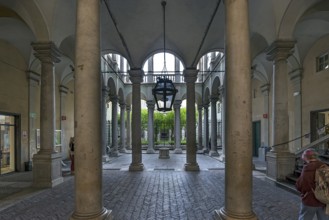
(190, 76)
(87, 112)
(178, 147)
(150, 127)
(238, 167)
(278, 52)
(122, 128)
(206, 128)
(200, 127)
(47, 162)
(114, 100)
(213, 150)
(136, 77)
(48, 54)
(105, 93)
(128, 109)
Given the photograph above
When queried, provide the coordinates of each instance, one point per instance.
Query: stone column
(64, 147)
(87, 112)
(280, 157)
(136, 77)
(150, 127)
(47, 163)
(213, 151)
(238, 167)
(122, 128)
(200, 128)
(105, 95)
(265, 91)
(128, 146)
(178, 147)
(295, 79)
(191, 164)
(206, 148)
(114, 150)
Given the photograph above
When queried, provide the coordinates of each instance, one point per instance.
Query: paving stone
(158, 194)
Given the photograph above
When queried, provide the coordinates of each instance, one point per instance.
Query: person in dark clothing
(305, 184)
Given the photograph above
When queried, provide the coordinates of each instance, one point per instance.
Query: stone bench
(164, 153)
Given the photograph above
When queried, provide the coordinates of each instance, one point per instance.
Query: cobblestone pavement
(162, 192)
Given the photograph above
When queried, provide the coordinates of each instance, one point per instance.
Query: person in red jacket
(305, 184)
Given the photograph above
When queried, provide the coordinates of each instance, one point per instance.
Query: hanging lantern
(164, 94)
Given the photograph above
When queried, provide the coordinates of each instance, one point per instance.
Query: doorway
(7, 143)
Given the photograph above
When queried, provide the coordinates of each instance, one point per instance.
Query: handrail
(312, 144)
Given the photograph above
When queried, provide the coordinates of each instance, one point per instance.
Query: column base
(104, 215)
(123, 150)
(221, 214)
(136, 167)
(192, 167)
(205, 150)
(279, 165)
(178, 151)
(114, 153)
(105, 158)
(47, 170)
(222, 158)
(213, 153)
(150, 151)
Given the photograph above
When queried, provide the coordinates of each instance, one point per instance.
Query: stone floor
(163, 191)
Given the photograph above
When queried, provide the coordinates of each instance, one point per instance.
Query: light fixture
(164, 91)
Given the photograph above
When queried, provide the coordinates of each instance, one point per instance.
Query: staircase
(323, 155)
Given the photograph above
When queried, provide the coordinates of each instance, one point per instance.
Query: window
(322, 62)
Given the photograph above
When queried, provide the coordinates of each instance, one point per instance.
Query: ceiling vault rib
(119, 33)
(194, 63)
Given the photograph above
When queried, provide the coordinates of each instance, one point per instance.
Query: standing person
(305, 184)
(71, 145)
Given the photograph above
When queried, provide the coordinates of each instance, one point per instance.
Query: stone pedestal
(47, 170)
(279, 165)
(164, 153)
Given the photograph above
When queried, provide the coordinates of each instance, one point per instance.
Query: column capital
(214, 98)
(206, 105)
(114, 98)
(280, 50)
(177, 104)
(200, 106)
(128, 107)
(63, 90)
(33, 77)
(105, 89)
(295, 79)
(46, 52)
(190, 75)
(122, 105)
(136, 75)
(150, 104)
(265, 89)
